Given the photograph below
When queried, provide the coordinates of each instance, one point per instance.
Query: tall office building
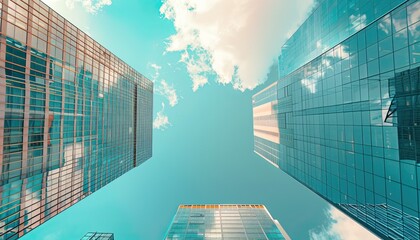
(344, 117)
(226, 221)
(73, 117)
(98, 236)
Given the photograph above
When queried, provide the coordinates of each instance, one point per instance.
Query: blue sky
(207, 58)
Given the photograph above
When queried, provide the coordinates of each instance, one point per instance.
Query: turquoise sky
(203, 156)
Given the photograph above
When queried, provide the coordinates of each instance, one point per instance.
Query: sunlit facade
(226, 221)
(348, 115)
(73, 117)
(265, 122)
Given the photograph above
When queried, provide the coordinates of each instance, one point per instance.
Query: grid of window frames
(224, 222)
(354, 116)
(98, 236)
(73, 117)
(331, 22)
(264, 122)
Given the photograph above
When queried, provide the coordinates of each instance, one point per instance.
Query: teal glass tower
(226, 221)
(98, 236)
(344, 116)
(73, 116)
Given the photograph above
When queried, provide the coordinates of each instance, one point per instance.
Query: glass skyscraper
(98, 236)
(344, 117)
(226, 221)
(73, 117)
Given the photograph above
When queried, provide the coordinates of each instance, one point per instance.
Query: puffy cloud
(161, 121)
(167, 91)
(341, 227)
(91, 6)
(235, 40)
(198, 64)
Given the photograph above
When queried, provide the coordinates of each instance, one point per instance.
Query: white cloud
(198, 64)
(310, 84)
(78, 16)
(235, 40)
(156, 68)
(167, 91)
(358, 21)
(161, 121)
(162, 87)
(341, 227)
(91, 6)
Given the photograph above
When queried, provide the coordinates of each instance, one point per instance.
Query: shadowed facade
(347, 112)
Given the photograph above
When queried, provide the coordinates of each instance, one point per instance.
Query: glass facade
(331, 22)
(349, 123)
(98, 236)
(224, 222)
(73, 117)
(265, 119)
